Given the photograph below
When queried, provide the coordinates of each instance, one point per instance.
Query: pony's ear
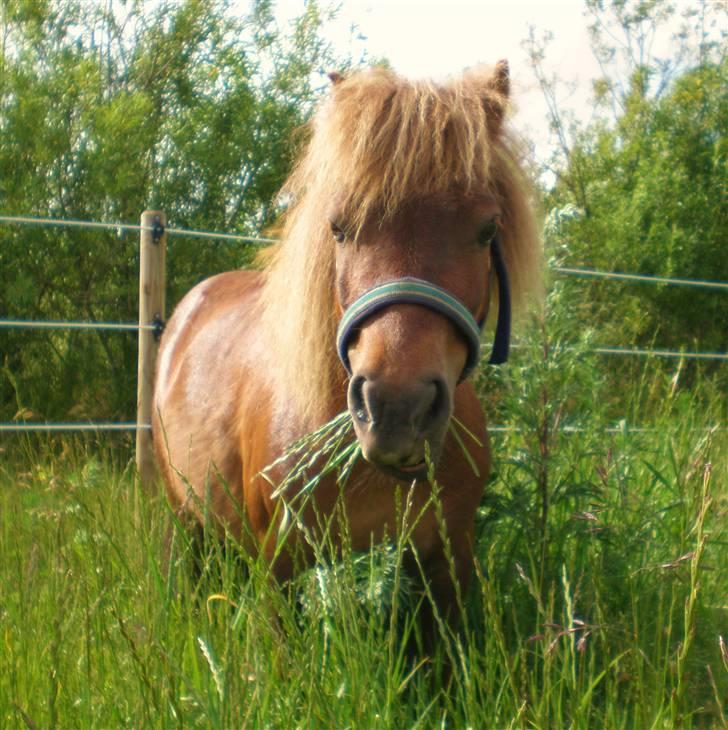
(495, 97)
(335, 77)
(502, 78)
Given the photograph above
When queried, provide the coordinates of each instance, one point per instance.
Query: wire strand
(49, 325)
(644, 278)
(221, 236)
(122, 227)
(259, 240)
(643, 352)
(81, 426)
(64, 223)
(104, 426)
(661, 353)
(609, 429)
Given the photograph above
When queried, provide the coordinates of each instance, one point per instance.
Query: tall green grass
(599, 599)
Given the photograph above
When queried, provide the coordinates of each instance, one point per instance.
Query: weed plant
(599, 596)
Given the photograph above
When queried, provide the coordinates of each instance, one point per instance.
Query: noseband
(409, 290)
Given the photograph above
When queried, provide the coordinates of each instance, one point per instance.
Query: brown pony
(400, 181)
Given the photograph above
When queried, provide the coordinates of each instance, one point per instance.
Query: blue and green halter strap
(409, 290)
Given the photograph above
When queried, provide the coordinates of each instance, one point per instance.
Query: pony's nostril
(438, 407)
(357, 404)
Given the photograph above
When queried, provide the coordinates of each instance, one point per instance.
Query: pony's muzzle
(393, 421)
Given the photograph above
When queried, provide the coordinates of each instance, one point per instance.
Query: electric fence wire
(260, 240)
(121, 228)
(57, 324)
(29, 426)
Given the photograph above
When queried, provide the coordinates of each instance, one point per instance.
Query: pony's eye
(489, 232)
(339, 235)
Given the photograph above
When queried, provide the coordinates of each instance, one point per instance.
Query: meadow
(599, 598)
(600, 590)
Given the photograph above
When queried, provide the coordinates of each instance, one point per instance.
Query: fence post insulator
(158, 230)
(158, 324)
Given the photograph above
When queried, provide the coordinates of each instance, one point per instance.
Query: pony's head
(407, 198)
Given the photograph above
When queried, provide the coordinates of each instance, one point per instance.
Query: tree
(647, 178)
(108, 109)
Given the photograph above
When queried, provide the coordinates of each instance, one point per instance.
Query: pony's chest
(381, 509)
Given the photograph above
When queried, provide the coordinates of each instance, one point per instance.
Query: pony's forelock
(376, 142)
(379, 140)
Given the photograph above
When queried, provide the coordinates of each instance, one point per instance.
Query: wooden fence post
(152, 283)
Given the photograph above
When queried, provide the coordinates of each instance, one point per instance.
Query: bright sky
(441, 37)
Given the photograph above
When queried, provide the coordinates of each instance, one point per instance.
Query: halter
(409, 290)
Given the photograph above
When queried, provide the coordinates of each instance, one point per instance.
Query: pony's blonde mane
(378, 141)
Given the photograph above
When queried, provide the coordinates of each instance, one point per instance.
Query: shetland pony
(409, 215)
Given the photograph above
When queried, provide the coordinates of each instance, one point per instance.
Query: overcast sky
(439, 38)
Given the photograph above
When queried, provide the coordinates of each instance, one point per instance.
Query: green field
(600, 597)
(599, 601)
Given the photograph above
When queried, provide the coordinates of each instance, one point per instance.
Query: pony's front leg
(446, 574)
(286, 551)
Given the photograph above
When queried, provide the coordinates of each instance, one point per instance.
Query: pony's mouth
(404, 472)
(399, 424)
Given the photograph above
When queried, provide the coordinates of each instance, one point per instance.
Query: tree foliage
(646, 177)
(110, 109)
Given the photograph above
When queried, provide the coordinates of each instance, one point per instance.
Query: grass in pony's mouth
(334, 446)
(455, 425)
(330, 445)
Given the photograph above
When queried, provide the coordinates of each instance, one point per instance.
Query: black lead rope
(502, 341)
